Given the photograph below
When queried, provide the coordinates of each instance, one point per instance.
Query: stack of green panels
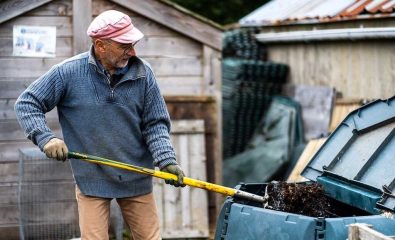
(247, 89)
(241, 43)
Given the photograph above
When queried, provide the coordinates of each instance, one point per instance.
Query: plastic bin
(240, 219)
(356, 168)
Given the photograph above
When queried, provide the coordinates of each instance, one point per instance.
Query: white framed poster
(34, 41)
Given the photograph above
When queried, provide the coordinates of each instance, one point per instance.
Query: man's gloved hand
(56, 148)
(175, 169)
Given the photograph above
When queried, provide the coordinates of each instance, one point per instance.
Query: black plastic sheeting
(274, 148)
(247, 89)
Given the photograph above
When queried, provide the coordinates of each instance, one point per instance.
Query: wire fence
(46, 198)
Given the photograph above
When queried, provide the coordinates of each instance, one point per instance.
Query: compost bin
(354, 172)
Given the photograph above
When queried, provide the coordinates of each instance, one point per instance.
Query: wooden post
(82, 17)
(212, 79)
(217, 76)
(208, 80)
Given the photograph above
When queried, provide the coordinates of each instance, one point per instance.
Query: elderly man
(109, 104)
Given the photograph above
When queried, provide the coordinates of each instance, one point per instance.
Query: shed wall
(177, 60)
(182, 66)
(183, 212)
(357, 69)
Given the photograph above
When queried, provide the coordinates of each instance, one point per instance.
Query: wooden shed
(183, 49)
(346, 44)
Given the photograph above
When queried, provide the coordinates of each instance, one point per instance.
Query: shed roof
(279, 12)
(160, 11)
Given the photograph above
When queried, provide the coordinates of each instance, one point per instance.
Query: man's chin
(122, 64)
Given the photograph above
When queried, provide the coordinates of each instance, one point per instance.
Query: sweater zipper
(111, 89)
(109, 84)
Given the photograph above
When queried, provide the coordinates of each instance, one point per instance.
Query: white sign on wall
(33, 41)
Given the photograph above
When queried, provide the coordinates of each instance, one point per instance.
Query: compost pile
(305, 199)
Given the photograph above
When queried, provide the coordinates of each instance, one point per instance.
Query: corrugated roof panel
(255, 16)
(290, 7)
(277, 11)
(273, 11)
(355, 8)
(329, 8)
(375, 5)
(303, 11)
(280, 10)
(388, 7)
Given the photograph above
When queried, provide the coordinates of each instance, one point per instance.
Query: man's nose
(131, 52)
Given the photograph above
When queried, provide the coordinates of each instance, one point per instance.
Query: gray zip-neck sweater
(128, 122)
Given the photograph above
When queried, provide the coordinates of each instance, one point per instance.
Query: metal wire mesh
(46, 198)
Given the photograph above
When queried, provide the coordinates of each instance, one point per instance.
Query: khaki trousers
(139, 213)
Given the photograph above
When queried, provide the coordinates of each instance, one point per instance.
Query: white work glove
(57, 149)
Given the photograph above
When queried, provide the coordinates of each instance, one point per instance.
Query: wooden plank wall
(357, 69)
(204, 108)
(184, 211)
(16, 73)
(175, 59)
(182, 66)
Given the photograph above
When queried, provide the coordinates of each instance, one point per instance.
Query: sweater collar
(134, 70)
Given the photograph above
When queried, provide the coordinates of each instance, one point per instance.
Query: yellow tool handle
(168, 176)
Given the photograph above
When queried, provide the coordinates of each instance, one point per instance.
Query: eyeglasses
(124, 47)
(127, 47)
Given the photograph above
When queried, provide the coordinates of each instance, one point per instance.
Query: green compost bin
(355, 166)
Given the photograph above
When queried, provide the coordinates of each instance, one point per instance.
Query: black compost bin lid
(356, 164)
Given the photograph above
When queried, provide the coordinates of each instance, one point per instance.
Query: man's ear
(99, 45)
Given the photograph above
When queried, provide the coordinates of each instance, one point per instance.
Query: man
(109, 105)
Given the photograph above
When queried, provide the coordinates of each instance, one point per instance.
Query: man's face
(117, 54)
